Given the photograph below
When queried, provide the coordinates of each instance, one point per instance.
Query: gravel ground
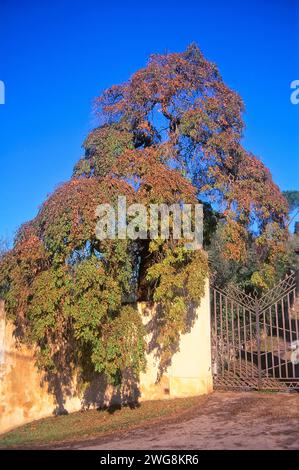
(223, 420)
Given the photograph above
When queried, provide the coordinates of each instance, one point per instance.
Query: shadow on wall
(99, 394)
(27, 394)
(153, 330)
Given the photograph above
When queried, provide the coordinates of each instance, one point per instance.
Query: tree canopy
(172, 134)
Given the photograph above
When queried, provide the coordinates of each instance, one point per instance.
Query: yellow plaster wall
(24, 393)
(190, 371)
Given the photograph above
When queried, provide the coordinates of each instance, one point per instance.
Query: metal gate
(255, 341)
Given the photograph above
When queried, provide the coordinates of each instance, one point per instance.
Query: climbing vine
(170, 134)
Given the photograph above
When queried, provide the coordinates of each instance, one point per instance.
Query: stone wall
(24, 392)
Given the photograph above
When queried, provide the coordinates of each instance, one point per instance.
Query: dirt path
(225, 420)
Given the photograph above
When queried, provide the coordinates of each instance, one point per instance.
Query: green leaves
(121, 345)
(102, 147)
(179, 280)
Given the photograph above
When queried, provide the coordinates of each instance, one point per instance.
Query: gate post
(190, 372)
(258, 342)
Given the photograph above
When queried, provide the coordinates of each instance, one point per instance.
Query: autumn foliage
(171, 133)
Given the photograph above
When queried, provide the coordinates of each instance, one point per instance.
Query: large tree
(179, 107)
(170, 134)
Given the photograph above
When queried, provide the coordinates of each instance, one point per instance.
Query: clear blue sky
(56, 56)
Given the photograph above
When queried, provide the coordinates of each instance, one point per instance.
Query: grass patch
(84, 425)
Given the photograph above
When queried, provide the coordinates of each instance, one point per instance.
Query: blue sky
(56, 56)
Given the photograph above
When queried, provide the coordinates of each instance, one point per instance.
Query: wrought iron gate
(255, 341)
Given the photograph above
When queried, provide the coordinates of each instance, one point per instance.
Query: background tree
(292, 198)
